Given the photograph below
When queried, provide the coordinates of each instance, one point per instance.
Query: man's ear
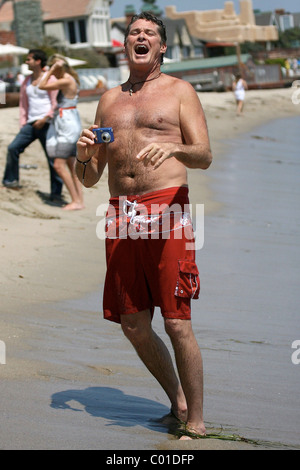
(163, 48)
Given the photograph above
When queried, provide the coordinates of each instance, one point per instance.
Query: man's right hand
(40, 123)
(86, 148)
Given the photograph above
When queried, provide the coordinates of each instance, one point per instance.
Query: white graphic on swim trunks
(135, 220)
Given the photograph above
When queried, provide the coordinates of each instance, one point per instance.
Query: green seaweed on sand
(216, 435)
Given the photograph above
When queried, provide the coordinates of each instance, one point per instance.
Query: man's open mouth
(141, 49)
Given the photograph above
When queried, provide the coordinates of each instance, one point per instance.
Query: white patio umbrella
(71, 62)
(74, 62)
(10, 49)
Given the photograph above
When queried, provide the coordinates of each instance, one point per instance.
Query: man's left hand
(155, 154)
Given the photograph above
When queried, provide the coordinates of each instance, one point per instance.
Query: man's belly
(141, 179)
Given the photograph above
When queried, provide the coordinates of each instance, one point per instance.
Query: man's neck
(37, 73)
(141, 76)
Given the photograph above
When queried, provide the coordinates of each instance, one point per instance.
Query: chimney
(246, 12)
(129, 13)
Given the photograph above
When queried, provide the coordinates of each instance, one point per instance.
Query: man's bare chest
(135, 112)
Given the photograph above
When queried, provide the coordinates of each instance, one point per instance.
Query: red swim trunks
(150, 255)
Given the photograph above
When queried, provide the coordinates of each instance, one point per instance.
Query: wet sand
(71, 381)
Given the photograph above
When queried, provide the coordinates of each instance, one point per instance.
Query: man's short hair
(149, 17)
(38, 54)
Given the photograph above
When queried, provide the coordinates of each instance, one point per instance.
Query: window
(77, 31)
(286, 22)
(185, 51)
(198, 51)
(82, 30)
(71, 29)
(173, 53)
(100, 25)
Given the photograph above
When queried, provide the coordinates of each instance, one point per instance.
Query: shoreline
(50, 256)
(24, 213)
(33, 275)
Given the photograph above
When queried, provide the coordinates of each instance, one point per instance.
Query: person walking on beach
(159, 131)
(36, 110)
(65, 127)
(239, 86)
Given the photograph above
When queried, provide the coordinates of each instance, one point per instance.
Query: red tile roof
(57, 9)
(52, 9)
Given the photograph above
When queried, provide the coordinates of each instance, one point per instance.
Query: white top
(39, 103)
(239, 90)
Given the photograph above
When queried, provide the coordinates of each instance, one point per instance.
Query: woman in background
(65, 128)
(239, 86)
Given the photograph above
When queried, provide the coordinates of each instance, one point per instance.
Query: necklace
(143, 81)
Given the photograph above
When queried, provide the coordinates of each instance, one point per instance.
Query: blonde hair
(66, 67)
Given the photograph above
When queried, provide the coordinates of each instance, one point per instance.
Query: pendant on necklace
(130, 91)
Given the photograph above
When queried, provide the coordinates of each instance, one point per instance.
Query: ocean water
(94, 393)
(248, 315)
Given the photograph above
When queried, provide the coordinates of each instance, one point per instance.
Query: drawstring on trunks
(131, 212)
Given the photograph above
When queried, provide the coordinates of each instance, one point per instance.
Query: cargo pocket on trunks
(188, 282)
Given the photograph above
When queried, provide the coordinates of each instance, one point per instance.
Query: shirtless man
(159, 130)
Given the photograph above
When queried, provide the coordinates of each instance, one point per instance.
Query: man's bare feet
(192, 433)
(73, 206)
(181, 415)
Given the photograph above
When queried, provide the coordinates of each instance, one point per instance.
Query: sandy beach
(51, 263)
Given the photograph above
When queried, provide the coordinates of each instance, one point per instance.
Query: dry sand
(49, 255)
